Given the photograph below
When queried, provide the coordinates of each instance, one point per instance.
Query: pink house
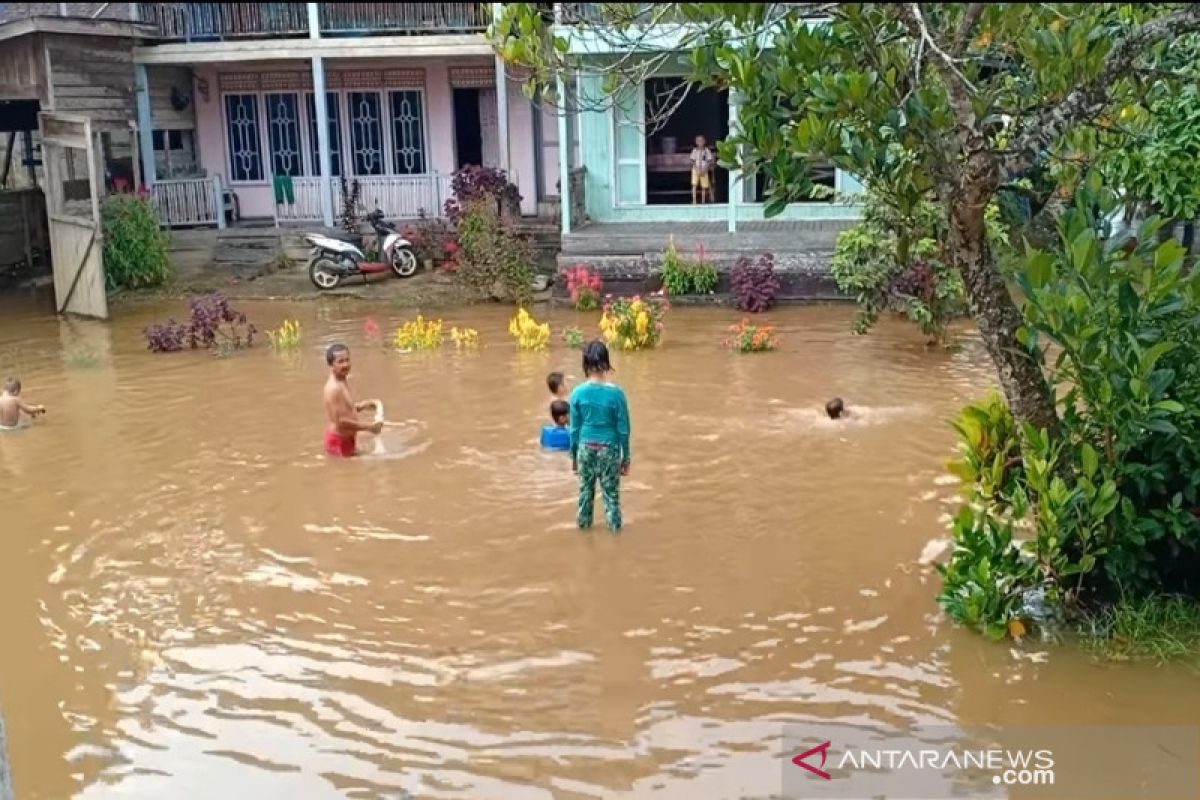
(273, 110)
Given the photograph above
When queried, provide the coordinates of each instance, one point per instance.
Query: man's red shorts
(338, 445)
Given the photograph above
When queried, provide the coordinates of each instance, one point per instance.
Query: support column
(321, 104)
(564, 152)
(502, 103)
(735, 175)
(145, 126)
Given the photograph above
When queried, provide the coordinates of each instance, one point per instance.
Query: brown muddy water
(196, 604)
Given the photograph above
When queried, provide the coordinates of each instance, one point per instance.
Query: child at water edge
(599, 437)
(11, 406)
(557, 436)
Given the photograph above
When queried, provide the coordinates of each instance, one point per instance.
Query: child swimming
(556, 436)
(599, 437)
(836, 409)
(11, 406)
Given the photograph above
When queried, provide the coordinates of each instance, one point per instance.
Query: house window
(244, 138)
(174, 153)
(408, 132)
(283, 132)
(366, 133)
(335, 134)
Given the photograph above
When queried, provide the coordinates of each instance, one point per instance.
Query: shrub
(286, 336)
(634, 323)
(473, 183)
(747, 337)
(419, 334)
(584, 286)
(492, 258)
(212, 325)
(573, 338)
(430, 238)
(681, 276)
(351, 195)
(136, 249)
(464, 338)
(755, 284)
(529, 333)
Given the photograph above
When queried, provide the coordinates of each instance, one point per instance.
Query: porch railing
(216, 21)
(188, 201)
(366, 18)
(399, 197)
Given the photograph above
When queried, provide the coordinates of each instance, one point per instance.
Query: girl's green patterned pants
(603, 465)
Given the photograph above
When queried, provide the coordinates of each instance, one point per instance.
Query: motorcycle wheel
(323, 273)
(404, 262)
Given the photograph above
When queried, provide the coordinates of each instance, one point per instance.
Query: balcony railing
(359, 19)
(199, 22)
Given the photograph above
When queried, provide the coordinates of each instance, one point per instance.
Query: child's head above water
(835, 407)
(560, 412)
(555, 383)
(595, 358)
(12, 386)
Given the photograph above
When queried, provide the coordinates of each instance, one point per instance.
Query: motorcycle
(334, 260)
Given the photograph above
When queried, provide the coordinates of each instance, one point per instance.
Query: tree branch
(910, 14)
(969, 21)
(1086, 101)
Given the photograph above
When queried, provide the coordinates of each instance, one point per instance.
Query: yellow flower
(643, 322)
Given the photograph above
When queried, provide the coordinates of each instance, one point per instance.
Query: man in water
(11, 406)
(340, 408)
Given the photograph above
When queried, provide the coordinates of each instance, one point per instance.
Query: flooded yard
(197, 604)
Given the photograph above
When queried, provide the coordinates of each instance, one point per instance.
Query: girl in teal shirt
(599, 437)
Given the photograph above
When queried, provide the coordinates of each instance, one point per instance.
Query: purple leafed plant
(755, 284)
(472, 182)
(212, 325)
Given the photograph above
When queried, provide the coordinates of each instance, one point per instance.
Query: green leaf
(1169, 406)
(1090, 460)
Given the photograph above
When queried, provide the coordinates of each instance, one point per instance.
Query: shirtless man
(11, 406)
(340, 408)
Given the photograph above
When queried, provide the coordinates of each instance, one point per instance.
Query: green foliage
(136, 249)
(1159, 627)
(682, 276)
(491, 257)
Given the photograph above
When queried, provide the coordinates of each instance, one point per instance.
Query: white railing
(188, 201)
(397, 196)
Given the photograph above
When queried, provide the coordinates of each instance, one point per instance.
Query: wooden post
(564, 152)
(219, 201)
(501, 102)
(735, 175)
(145, 126)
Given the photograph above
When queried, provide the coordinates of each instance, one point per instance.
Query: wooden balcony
(206, 22)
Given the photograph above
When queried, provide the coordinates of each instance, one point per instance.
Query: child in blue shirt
(599, 437)
(556, 436)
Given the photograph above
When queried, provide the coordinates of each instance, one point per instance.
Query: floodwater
(196, 604)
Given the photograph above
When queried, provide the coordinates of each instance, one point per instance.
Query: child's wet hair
(559, 409)
(12, 385)
(554, 382)
(835, 407)
(595, 358)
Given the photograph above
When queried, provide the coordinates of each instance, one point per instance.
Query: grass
(1160, 628)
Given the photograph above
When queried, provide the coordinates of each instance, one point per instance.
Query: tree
(975, 94)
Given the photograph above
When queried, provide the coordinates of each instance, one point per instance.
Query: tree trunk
(997, 316)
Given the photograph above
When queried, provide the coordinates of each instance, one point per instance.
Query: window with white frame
(283, 134)
(366, 133)
(335, 133)
(408, 132)
(244, 138)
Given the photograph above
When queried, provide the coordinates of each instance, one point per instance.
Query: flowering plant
(750, 338)
(286, 336)
(529, 333)
(419, 334)
(584, 286)
(634, 323)
(464, 337)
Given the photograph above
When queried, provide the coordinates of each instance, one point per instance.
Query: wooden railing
(216, 21)
(366, 18)
(399, 197)
(188, 201)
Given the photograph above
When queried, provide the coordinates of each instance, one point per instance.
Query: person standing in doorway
(702, 165)
(599, 437)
